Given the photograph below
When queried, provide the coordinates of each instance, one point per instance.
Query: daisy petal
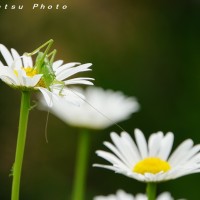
(153, 144)
(27, 60)
(17, 59)
(72, 71)
(6, 54)
(57, 64)
(166, 146)
(78, 81)
(64, 67)
(6, 72)
(180, 151)
(141, 142)
(47, 96)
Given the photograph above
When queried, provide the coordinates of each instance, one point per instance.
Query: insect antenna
(46, 127)
(46, 124)
(97, 110)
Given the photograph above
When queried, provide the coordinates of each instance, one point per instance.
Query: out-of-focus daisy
(21, 73)
(121, 195)
(150, 161)
(101, 109)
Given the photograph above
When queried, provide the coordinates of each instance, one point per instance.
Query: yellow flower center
(29, 71)
(151, 165)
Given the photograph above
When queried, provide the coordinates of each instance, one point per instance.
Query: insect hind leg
(52, 56)
(48, 44)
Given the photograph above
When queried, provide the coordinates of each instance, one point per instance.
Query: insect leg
(49, 43)
(52, 54)
(60, 92)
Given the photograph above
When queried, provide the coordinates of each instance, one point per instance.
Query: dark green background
(148, 50)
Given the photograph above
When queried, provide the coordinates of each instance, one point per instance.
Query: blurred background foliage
(145, 49)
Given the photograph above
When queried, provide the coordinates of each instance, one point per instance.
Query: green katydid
(44, 62)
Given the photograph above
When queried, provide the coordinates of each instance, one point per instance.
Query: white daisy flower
(20, 72)
(121, 195)
(101, 109)
(150, 161)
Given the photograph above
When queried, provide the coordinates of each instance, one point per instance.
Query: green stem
(23, 121)
(151, 191)
(78, 191)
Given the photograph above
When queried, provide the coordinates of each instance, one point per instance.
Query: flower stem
(78, 192)
(151, 191)
(23, 121)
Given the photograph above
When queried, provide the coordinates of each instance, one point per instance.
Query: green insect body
(44, 66)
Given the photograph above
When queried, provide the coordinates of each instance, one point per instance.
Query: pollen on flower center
(151, 165)
(30, 71)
